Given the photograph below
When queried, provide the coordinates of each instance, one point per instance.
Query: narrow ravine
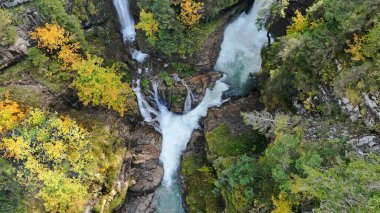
(244, 40)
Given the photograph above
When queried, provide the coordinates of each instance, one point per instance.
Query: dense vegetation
(66, 106)
(179, 27)
(333, 44)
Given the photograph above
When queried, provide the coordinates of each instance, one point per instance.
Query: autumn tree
(148, 24)
(95, 84)
(55, 151)
(355, 48)
(11, 113)
(300, 23)
(100, 85)
(190, 12)
(50, 37)
(55, 40)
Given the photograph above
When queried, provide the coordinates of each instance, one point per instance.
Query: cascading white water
(176, 129)
(126, 21)
(240, 57)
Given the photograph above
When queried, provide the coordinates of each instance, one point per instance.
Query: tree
(10, 114)
(282, 204)
(102, 86)
(300, 23)
(164, 14)
(351, 187)
(55, 151)
(7, 31)
(190, 12)
(355, 48)
(10, 190)
(50, 37)
(148, 24)
(58, 42)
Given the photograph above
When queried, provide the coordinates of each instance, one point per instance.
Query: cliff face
(15, 52)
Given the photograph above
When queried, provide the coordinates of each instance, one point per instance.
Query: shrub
(8, 32)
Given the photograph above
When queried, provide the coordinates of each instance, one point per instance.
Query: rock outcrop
(230, 114)
(14, 53)
(11, 3)
(146, 171)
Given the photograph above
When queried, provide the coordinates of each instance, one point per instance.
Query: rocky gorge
(221, 138)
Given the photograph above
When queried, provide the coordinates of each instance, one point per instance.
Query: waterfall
(240, 57)
(176, 132)
(126, 21)
(176, 129)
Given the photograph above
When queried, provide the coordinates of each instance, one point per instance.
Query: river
(239, 59)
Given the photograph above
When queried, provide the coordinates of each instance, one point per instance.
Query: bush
(8, 32)
(53, 11)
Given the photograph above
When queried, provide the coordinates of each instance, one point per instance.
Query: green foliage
(164, 14)
(308, 56)
(37, 57)
(240, 179)
(8, 32)
(280, 158)
(183, 69)
(149, 25)
(54, 11)
(167, 79)
(56, 152)
(185, 41)
(84, 9)
(221, 143)
(174, 38)
(345, 186)
(213, 8)
(199, 180)
(10, 191)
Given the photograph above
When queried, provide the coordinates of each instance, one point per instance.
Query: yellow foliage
(300, 23)
(282, 204)
(190, 12)
(56, 153)
(15, 148)
(68, 54)
(355, 48)
(10, 114)
(147, 24)
(102, 86)
(50, 36)
(55, 40)
(95, 84)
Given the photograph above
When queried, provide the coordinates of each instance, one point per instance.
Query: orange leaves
(55, 40)
(190, 12)
(10, 114)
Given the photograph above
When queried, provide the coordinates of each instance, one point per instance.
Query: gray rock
(11, 3)
(13, 53)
